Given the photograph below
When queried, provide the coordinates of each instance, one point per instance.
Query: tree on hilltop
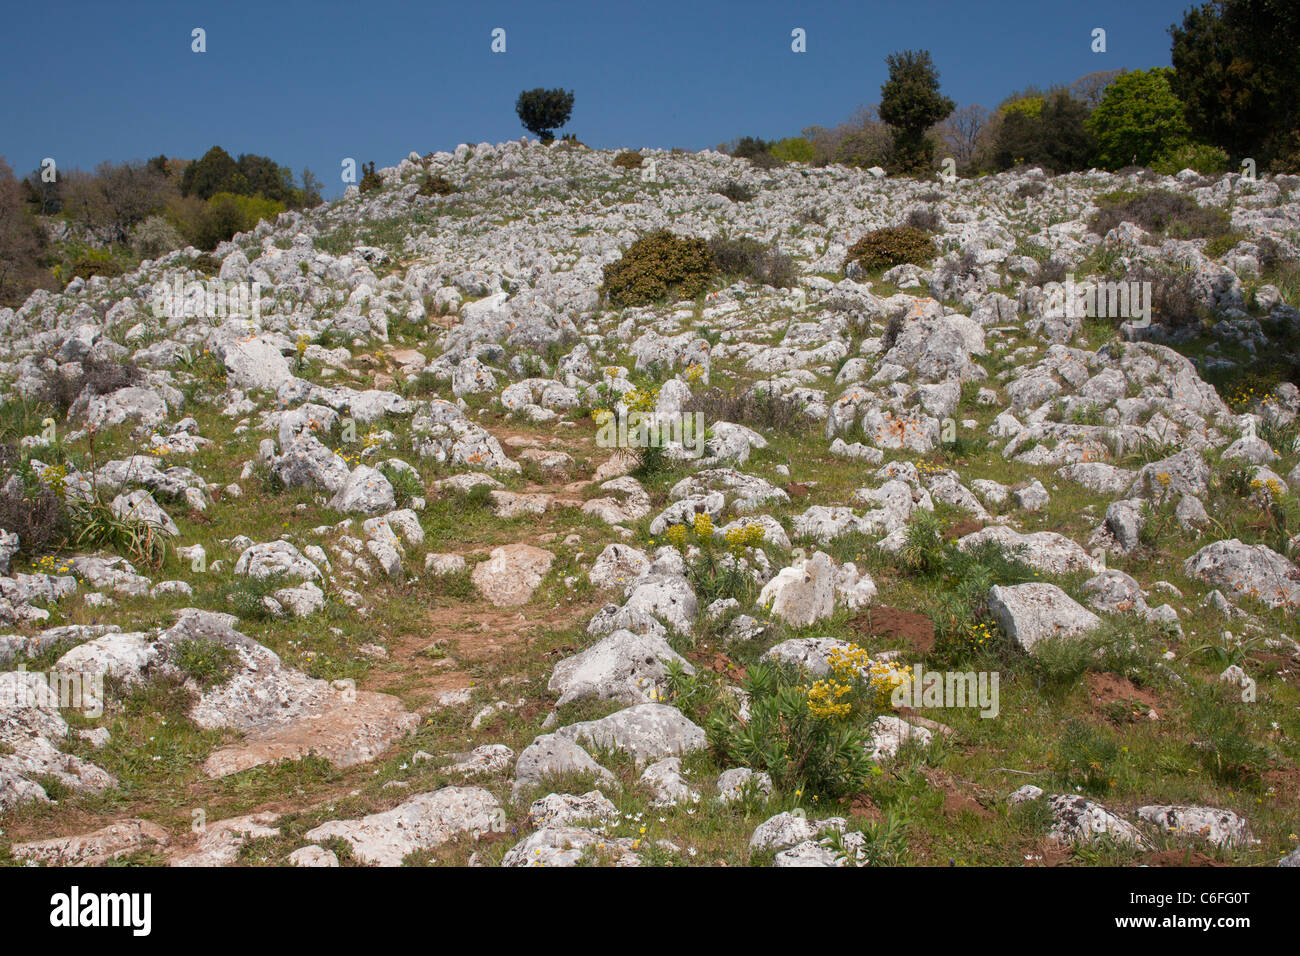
(544, 111)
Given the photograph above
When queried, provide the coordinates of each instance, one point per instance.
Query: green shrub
(406, 484)
(96, 262)
(1205, 159)
(628, 159)
(438, 185)
(1161, 213)
(370, 180)
(226, 214)
(736, 191)
(753, 260)
(891, 246)
(800, 750)
(656, 265)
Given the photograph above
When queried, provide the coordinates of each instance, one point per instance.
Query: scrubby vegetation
(657, 264)
(891, 246)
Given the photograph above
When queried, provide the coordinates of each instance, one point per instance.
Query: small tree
(910, 103)
(962, 130)
(1138, 120)
(543, 111)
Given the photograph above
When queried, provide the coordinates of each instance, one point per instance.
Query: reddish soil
(1105, 689)
(883, 621)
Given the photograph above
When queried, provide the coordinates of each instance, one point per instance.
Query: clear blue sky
(311, 82)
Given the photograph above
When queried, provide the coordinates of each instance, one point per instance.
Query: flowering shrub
(806, 737)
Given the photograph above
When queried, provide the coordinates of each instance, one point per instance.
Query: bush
(891, 246)
(101, 376)
(438, 185)
(226, 214)
(96, 263)
(656, 265)
(1161, 213)
(1206, 160)
(370, 180)
(1030, 190)
(925, 219)
(785, 736)
(1174, 303)
(760, 409)
(736, 191)
(155, 237)
(38, 516)
(754, 260)
(628, 159)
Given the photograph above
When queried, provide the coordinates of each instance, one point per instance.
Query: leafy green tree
(747, 147)
(910, 103)
(1053, 135)
(216, 172)
(1138, 120)
(1237, 69)
(793, 149)
(265, 177)
(310, 192)
(543, 111)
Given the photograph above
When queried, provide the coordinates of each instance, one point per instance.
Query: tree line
(55, 223)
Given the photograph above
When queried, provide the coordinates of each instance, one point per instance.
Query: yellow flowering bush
(53, 475)
(826, 700)
(676, 536)
(743, 536)
(703, 526)
(641, 400)
(884, 677)
(849, 663)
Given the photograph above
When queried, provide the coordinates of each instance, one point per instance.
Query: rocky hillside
(341, 546)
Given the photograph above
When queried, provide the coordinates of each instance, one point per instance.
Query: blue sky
(309, 83)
